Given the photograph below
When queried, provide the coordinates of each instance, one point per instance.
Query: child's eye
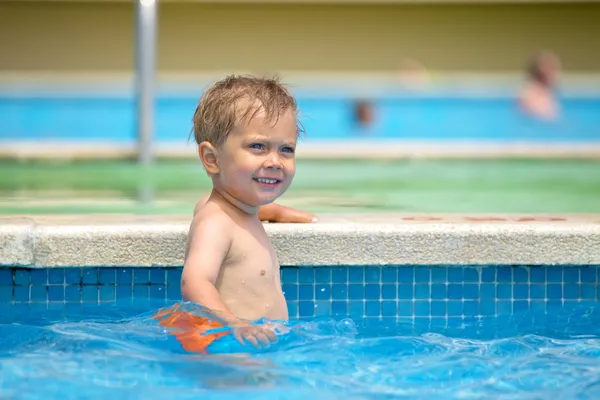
(288, 149)
(256, 146)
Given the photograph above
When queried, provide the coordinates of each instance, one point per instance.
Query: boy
(246, 129)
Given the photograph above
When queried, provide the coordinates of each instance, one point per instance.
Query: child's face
(257, 161)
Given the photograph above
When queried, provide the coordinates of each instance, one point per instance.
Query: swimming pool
(360, 332)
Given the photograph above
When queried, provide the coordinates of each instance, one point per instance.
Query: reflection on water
(102, 351)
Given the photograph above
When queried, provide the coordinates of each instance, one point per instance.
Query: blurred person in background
(538, 97)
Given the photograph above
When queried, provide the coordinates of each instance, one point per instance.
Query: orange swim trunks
(190, 330)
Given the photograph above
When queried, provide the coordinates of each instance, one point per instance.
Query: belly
(251, 306)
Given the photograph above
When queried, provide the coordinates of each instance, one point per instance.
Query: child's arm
(208, 245)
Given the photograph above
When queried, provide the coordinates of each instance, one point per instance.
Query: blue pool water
(115, 350)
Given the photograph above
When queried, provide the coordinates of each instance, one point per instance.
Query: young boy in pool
(246, 129)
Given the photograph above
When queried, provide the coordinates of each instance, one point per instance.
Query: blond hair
(237, 99)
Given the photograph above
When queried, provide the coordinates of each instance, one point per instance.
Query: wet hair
(235, 100)
(534, 69)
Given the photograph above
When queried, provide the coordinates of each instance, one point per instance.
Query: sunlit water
(119, 352)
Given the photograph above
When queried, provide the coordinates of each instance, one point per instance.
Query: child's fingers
(238, 337)
(262, 337)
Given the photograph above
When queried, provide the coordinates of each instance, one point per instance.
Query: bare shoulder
(211, 228)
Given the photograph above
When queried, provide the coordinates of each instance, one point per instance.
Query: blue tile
(554, 274)
(356, 308)
(90, 276)
(22, 277)
(537, 291)
(288, 275)
(306, 275)
(39, 293)
(372, 274)
(471, 275)
(438, 291)
(73, 294)
(406, 275)
(455, 274)
(455, 291)
(487, 307)
(520, 274)
(554, 305)
(174, 276)
(356, 291)
(323, 275)
(73, 276)
(406, 291)
(56, 293)
(470, 308)
(141, 276)
(339, 275)
(124, 276)
(372, 308)
(292, 309)
(290, 291)
(372, 291)
(141, 291)
(439, 274)
(488, 274)
(306, 308)
(306, 292)
(504, 307)
(323, 307)
(356, 274)
(21, 293)
(422, 274)
(521, 291)
(89, 293)
(389, 275)
(537, 305)
(158, 276)
(6, 277)
(504, 274)
(323, 292)
(173, 292)
(554, 291)
(107, 293)
(107, 276)
(487, 291)
(588, 274)
(504, 291)
(471, 291)
(388, 308)
(571, 275)
(158, 291)
(455, 308)
(339, 308)
(537, 275)
(588, 292)
(520, 306)
(422, 308)
(388, 291)
(422, 291)
(56, 276)
(39, 277)
(406, 308)
(339, 292)
(438, 308)
(571, 291)
(6, 294)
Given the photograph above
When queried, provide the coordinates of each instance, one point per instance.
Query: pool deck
(365, 239)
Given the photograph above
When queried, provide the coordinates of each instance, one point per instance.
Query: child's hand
(264, 334)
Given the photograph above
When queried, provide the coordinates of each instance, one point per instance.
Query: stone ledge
(366, 239)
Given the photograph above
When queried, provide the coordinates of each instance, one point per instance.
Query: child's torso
(249, 280)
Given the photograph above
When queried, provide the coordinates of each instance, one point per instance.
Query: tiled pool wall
(369, 291)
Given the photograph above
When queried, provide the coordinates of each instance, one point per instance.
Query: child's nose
(273, 161)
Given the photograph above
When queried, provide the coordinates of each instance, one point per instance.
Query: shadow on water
(120, 351)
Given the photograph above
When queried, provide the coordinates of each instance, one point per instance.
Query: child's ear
(208, 156)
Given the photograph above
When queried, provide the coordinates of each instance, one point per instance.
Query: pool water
(116, 351)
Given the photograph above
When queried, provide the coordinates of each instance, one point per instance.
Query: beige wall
(202, 37)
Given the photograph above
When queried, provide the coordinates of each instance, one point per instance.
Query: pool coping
(111, 240)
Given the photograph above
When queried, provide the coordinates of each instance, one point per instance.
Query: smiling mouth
(267, 181)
